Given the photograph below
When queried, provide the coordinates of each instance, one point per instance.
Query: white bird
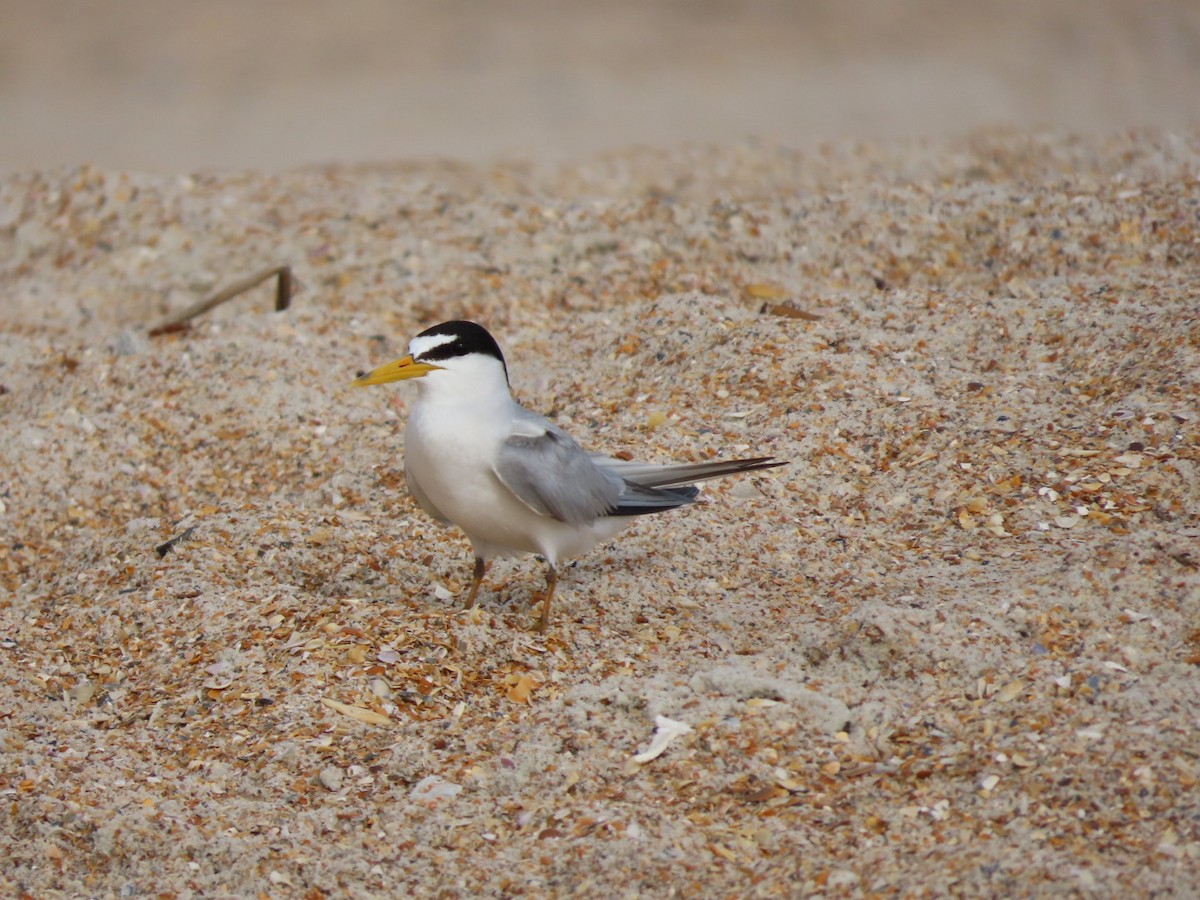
(511, 480)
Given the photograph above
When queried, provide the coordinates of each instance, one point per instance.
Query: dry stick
(284, 289)
(167, 546)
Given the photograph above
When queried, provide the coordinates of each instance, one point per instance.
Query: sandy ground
(951, 649)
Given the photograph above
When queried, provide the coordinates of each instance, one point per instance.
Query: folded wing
(553, 476)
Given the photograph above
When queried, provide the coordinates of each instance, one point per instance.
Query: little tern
(511, 480)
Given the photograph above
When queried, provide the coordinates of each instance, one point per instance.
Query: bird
(511, 480)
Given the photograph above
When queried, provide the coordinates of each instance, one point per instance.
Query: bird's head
(458, 348)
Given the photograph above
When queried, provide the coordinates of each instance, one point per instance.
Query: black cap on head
(460, 339)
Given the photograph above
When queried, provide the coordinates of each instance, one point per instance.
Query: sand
(951, 648)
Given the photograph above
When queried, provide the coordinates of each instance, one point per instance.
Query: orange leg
(480, 569)
(551, 582)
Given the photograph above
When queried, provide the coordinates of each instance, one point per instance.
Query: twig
(167, 546)
(284, 288)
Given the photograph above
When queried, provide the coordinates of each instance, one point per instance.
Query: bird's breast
(451, 461)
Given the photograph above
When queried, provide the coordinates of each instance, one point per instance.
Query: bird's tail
(678, 475)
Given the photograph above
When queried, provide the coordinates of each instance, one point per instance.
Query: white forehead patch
(423, 343)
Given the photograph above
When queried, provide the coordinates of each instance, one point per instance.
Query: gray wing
(552, 475)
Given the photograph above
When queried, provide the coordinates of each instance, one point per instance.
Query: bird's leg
(480, 569)
(551, 581)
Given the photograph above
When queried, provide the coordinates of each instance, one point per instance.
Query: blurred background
(169, 86)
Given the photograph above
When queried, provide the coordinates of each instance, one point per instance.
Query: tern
(511, 480)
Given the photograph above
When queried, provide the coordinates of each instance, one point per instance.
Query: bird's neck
(463, 397)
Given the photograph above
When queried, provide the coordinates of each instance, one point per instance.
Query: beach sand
(952, 648)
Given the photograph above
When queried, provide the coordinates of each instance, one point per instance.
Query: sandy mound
(952, 647)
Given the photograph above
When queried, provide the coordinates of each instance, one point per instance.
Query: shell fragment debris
(665, 731)
(435, 787)
(760, 702)
(388, 655)
(361, 713)
(1010, 691)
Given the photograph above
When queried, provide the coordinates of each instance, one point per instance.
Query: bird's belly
(457, 479)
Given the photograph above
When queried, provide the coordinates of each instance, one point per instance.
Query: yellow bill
(398, 370)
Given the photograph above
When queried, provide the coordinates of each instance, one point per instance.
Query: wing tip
(656, 500)
(754, 463)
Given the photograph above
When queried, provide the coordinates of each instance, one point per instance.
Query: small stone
(331, 778)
